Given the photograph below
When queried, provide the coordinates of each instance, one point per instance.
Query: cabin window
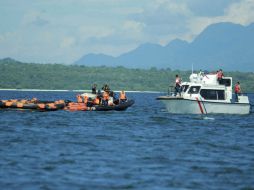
(210, 94)
(226, 82)
(185, 88)
(194, 90)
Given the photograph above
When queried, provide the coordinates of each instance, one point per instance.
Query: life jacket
(79, 99)
(105, 95)
(20, 105)
(237, 89)
(96, 101)
(85, 99)
(122, 96)
(33, 100)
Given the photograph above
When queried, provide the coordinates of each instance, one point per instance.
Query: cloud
(34, 18)
(240, 12)
(40, 22)
(163, 19)
(208, 8)
(62, 31)
(133, 26)
(67, 42)
(87, 31)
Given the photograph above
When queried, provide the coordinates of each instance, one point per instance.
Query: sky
(62, 31)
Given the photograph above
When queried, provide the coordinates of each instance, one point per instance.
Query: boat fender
(51, 106)
(60, 102)
(60, 105)
(20, 105)
(34, 100)
(24, 101)
(8, 103)
(41, 106)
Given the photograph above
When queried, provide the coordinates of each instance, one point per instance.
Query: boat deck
(169, 98)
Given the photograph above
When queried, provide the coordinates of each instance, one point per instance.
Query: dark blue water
(141, 148)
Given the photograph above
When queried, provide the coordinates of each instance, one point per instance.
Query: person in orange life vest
(105, 98)
(237, 91)
(79, 98)
(122, 97)
(220, 75)
(178, 85)
(85, 99)
(96, 101)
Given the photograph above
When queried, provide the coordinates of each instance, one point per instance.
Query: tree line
(18, 75)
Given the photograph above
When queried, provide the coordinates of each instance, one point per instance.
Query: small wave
(208, 118)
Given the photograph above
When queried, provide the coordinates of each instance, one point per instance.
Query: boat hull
(189, 106)
(39, 105)
(118, 107)
(73, 106)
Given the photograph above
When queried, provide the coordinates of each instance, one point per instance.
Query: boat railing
(171, 90)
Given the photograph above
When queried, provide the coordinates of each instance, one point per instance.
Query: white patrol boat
(204, 95)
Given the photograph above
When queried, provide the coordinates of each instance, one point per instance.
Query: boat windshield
(185, 88)
(194, 90)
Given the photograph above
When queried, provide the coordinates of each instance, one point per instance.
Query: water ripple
(141, 148)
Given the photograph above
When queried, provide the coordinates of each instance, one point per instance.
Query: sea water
(143, 147)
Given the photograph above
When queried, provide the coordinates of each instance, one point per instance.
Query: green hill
(14, 74)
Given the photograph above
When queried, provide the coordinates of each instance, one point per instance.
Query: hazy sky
(61, 31)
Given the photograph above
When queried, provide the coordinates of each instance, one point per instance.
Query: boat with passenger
(101, 101)
(204, 94)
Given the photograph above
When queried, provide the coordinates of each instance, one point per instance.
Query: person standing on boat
(94, 89)
(220, 75)
(105, 98)
(237, 91)
(178, 85)
(106, 88)
(79, 98)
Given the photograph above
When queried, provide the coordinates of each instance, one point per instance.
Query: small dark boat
(1, 104)
(74, 106)
(119, 107)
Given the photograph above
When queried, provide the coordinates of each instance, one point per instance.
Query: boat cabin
(208, 88)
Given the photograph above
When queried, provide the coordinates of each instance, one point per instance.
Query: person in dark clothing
(220, 75)
(94, 89)
(106, 88)
(99, 95)
(178, 85)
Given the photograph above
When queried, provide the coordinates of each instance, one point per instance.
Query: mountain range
(223, 45)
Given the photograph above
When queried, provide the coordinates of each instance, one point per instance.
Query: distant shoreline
(59, 90)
